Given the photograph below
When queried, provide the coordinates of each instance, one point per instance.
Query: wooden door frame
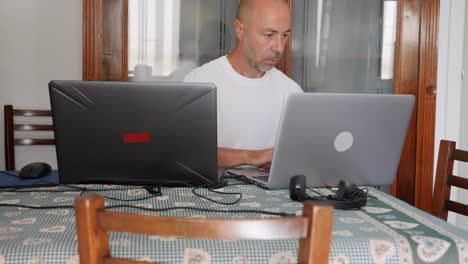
(415, 73)
(284, 64)
(427, 95)
(92, 27)
(93, 23)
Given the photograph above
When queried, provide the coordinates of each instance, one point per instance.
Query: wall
(449, 94)
(39, 41)
(462, 195)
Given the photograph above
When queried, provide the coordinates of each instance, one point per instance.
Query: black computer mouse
(34, 170)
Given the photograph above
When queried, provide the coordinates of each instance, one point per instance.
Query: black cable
(241, 180)
(166, 183)
(130, 200)
(232, 176)
(214, 201)
(82, 190)
(105, 189)
(209, 189)
(246, 180)
(113, 198)
(38, 207)
(33, 188)
(238, 184)
(198, 209)
(357, 193)
(150, 209)
(126, 200)
(319, 194)
(9, 174)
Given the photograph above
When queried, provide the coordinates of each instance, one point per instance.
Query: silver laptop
(357, 138)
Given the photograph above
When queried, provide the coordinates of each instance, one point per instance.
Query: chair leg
(93, 243)
(441, 188)
(316, 247)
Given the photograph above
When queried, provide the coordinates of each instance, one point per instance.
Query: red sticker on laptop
(134, 138)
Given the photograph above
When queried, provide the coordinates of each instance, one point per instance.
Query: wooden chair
(11, 125)
(94, 223)
(445, 179)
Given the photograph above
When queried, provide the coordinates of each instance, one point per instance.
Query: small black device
(346, 197)
(34, 170)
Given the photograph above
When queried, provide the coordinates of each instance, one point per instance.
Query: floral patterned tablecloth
(387, 230)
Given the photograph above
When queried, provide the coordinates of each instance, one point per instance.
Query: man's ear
(239, 28)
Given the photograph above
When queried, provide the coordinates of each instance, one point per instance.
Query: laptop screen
(135, 133)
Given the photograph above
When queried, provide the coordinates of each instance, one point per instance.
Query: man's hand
(260, 158)
(228, 158)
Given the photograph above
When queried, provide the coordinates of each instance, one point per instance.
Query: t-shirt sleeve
(294, 87)
(298, 89)
(191, 77)
(288, 84)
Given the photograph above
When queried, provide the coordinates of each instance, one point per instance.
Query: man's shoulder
(283, 80)
(204, 71)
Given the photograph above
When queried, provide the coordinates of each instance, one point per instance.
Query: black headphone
(346, 197)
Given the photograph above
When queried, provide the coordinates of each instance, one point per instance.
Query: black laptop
(135, 133)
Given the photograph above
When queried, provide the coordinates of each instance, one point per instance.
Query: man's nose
(278, 44)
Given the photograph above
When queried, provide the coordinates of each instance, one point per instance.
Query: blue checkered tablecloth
(387, 230)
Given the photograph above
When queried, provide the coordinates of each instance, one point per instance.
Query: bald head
(262, 28)
(245, 8)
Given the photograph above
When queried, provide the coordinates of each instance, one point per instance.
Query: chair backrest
(441, 203)
(12, 125)
(94, 222)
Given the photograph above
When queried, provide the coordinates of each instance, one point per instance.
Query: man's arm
(228, 158)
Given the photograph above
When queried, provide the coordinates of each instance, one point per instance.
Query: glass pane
(343, 46)
(388, 40)
(169, 38)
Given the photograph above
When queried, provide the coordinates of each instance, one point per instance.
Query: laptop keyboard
(262, 178)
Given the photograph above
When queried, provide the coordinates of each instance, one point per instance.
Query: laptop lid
(357, 138)
(135, 133)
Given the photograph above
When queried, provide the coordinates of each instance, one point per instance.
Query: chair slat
(460, 155)
(27, 127)
(34, 141)
(14, 115)
(21, 112)
(457, 181)
(226, 229)
(124, 261)
(457, 207)
(93, 224)
(441, 203)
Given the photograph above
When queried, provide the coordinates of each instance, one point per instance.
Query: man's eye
(269, 35)
(285, 35)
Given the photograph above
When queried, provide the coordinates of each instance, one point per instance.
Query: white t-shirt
(248, 109)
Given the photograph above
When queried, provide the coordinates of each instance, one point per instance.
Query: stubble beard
(251, 55)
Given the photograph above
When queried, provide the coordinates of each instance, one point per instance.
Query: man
(250, 91)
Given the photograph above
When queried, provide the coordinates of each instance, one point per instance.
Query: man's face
(266, 33)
